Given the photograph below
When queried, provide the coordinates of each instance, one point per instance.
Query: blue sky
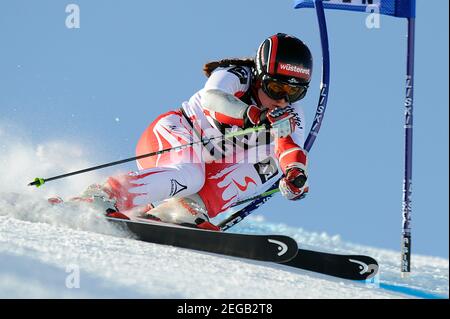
(129, 61)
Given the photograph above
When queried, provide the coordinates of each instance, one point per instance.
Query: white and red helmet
(284, 58)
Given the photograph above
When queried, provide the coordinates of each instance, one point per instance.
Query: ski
(354, 267)
(271, 248)
(274, 248)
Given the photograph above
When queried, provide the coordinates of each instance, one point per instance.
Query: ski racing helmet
(283, 67)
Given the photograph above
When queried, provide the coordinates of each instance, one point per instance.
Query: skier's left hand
(294, 185)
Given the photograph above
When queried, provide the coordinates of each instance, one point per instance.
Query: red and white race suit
(220, 172)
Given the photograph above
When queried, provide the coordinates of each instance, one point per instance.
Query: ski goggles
(278, 90)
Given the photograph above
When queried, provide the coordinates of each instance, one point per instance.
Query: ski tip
(38, 182)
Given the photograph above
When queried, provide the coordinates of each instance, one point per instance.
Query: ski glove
(294, 185)
(279, 120)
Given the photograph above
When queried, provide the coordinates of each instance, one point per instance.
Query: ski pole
(39, 181)
(271, 191)
(244, 212)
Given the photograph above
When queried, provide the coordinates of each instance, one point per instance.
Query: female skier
(199, 182)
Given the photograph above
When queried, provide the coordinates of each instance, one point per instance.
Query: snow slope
(70, 251)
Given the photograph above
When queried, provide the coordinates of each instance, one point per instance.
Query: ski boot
(188, 211)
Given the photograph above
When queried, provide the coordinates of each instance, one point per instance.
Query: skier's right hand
(279, 119)
(253, 116)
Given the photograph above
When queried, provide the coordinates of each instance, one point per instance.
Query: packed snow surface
(71, 251)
